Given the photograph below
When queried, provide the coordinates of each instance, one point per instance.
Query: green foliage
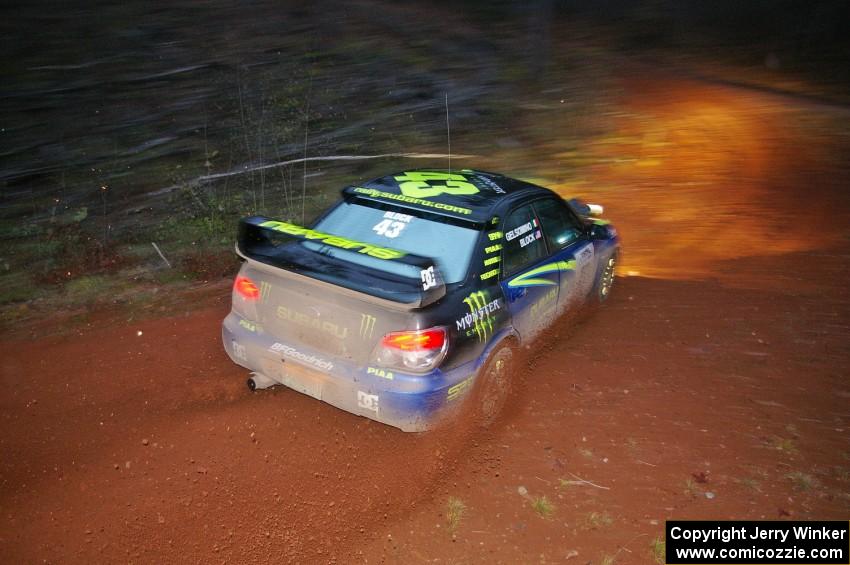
(455, 509)
(90, 289)
(658, 547)
(598, 519)
(213, 230)
(691, 488)
(802, 481)
(785, 445)
(543, 506)
(13, 229)
(16, 287)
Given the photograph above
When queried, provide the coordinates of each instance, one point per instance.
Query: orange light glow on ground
(698, 175)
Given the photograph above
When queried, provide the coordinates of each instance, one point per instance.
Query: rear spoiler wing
(261, 239)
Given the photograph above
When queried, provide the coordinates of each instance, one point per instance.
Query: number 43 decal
(389, 228)
(418, 184)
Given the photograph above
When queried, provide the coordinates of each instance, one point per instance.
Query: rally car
(408, 298)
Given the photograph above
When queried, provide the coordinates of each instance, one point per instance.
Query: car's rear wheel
(606, 278)
(494, 385)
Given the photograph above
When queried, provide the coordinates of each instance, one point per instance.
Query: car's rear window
(450, 245)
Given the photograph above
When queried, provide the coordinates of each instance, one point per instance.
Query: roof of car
(466, 193)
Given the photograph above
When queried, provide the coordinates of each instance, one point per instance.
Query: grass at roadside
(658, 547)
(543, 506)
(455, 509)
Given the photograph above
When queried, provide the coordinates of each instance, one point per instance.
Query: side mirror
(601, 231)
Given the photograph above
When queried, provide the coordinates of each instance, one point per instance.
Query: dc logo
(367, 401)
(429, 279)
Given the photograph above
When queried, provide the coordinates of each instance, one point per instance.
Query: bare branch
(588, 482)
(155, 246)
(331, 158)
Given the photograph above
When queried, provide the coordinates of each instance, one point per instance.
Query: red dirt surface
(713, 388)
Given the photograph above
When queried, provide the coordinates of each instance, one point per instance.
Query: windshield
(451, 246)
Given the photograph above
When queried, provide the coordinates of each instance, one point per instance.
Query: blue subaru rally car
(409, 296)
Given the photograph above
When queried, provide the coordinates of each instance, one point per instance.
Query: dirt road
(712, 385)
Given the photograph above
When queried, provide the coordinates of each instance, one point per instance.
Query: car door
(570, 248)
(529, 281)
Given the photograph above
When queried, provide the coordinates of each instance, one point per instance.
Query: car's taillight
(416, 350)
(419, 340)
(246, 288)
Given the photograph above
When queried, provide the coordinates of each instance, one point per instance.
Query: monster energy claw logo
(265, 289)
(479, 317)
(367, 326)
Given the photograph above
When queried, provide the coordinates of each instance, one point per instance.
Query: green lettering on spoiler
(335, 240)
(411, 200)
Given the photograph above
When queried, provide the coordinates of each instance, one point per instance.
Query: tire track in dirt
(148, 447)
(678, 400)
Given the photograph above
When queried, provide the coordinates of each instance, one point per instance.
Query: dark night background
(113, 113)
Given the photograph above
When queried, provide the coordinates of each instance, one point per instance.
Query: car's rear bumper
(409, 402)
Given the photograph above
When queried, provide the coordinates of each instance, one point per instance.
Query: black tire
(494, 385)
(606, 279)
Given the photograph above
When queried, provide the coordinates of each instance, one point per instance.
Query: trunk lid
(304, 312)
(319, 301)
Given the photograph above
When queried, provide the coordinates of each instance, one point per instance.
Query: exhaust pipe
(259, 381)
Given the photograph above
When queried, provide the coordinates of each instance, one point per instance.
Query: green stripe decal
(527, 279)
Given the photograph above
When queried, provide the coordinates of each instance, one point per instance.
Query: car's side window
(559, 226)
(523, 240)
